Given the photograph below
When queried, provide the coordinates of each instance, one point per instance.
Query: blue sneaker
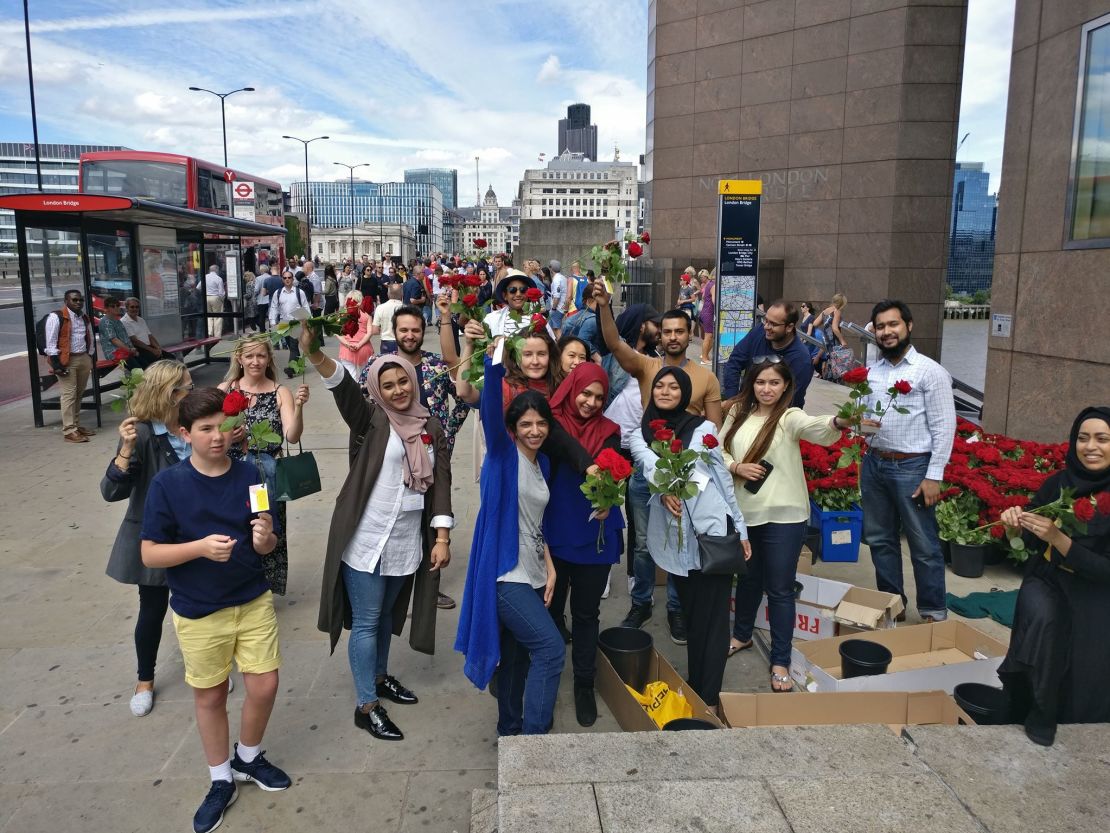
(261, 771)
(221, 795)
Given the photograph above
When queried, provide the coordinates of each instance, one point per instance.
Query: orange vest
(65, 325)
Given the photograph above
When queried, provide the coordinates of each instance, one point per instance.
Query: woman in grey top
(149, 443)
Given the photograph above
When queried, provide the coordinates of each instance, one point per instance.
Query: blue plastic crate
(838, 532)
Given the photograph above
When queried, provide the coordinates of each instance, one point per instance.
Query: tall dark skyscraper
(971, 229)
(576, 134)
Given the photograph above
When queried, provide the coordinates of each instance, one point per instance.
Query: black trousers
(704, 600)
(584, 583)
(153, 602)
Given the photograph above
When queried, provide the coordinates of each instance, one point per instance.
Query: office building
(573, 187)
(18, 174)
(445, 179)
(971, 230)
(576, 134)
(415, 204)
(375, 240)
(490, 222)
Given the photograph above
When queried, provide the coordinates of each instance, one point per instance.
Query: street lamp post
(307, 198)
(223, 116)
(351, 193)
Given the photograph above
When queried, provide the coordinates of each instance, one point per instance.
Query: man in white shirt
(262, 295)
(558, 296)
(215, 291)
(70, 348)
(382, 324)
(316, 302)
(149, 350)
(283, 307)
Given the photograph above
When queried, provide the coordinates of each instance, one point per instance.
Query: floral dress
(265, 406)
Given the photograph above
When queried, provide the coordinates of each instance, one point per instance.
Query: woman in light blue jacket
(704, 598)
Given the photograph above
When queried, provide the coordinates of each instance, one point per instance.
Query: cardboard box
(940, 656)
(896, 709)
(826, 608)
(628, 712)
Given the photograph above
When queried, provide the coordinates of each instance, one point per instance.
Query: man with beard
(674, 332)
(901, 474)
(435, 386)
(775, 336)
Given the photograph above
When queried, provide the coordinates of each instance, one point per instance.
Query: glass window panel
(162, 182)
(1091, 197)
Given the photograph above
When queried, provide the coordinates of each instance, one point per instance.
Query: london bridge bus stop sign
(120, 246)
(737, 263)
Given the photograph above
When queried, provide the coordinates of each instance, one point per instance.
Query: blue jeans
(771, 569)
(532, 655)
(372, 596)
(388, 347)
(643, 568)
(888, 510)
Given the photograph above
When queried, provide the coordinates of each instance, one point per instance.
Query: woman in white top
(762, 428)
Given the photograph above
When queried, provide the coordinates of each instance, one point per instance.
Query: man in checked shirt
(902, 471)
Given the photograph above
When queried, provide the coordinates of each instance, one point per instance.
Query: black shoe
(678, 626)
(637, 615)
(377, 723)
(390, 689)
(444, 602)
(261, 771)
(221, 795)
(492, 687)
(585, 706)
(289, 372)
(1040, 728)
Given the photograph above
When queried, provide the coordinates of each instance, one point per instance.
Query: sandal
(733, 650)
(781, 680)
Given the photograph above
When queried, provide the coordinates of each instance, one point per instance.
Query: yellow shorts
(246, 633)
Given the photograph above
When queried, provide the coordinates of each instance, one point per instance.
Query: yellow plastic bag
(661, 703)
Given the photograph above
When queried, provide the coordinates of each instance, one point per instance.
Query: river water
(963, 351)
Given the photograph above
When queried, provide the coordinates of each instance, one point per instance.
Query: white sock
(248, 753)
(221, 772)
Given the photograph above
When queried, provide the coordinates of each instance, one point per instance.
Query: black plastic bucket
(863, 658)
(629, 652)
(683, 724)
(798, 588)
(968, 561)
(986, 705)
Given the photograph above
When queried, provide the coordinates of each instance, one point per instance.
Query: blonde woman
(828, 322)
(708, 314)
(148, 443)
(254, 372)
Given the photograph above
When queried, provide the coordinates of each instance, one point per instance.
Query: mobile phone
(754, 486)
(920, 500)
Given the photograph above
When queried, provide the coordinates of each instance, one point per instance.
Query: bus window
(162, 182)
(204, 190)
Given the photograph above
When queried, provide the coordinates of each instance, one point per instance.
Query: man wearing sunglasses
(774, 336)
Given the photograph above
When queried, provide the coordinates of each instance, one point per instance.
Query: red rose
(367, 305)
(709, 441)
(903, 387)
(538, 321)
(235, 403)
(121, 354)
(645, 238)
(449, 281)
(533, 293)
(997, 531)
(470, 300)
(621, 469)
(611, 461)
(350, 328)
(480, 243)
(635, 249)
(657, 424)
(426, 439)
(855, 376)
(352, 305)
(472, 281)
(676, 446)
(1102, 501)
(664, 435)
(1084, 510)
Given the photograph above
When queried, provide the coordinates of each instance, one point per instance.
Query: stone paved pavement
(73, 758)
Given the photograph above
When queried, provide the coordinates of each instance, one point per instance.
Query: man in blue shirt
(776, 336)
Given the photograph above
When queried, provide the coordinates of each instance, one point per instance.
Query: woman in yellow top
(761, 428)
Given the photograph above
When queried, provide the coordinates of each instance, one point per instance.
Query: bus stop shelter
(124, 247)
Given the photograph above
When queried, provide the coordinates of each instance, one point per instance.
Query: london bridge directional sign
(737, 262)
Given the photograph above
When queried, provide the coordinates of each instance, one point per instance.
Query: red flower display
(533, 294)
(903, 387)
(855, 376)
(1084, 510)
(664, 435)
(676, 446)
(635, 249)
(709, 441)
(121, 354)
(449, 281)
(235, 402)
(473, 281)
(997, 532)
(645, 238)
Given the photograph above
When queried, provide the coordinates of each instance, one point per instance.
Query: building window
(1089, 220)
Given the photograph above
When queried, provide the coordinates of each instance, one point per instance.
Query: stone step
(483, 811)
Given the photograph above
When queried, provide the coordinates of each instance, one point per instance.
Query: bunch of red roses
(465, 289)
(675, 467)
(531, 312)
(606, 489)
(856, 409)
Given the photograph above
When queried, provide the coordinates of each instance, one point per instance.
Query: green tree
(294, 242)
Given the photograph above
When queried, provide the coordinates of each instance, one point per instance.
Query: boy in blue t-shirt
(198, 525)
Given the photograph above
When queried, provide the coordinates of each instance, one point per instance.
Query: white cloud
(549, 72)
(986, 83)
(157, 17)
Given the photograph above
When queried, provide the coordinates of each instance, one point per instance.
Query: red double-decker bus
(187, 182)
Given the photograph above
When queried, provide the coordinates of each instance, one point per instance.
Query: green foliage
(294, 242)
(129, 383)
(298, 366)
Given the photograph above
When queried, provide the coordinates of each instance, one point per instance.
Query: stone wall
(561, 239)
(846, 109)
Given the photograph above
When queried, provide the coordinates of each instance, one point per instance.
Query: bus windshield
(163, 182)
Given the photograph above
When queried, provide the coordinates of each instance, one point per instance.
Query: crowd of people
(554, 396)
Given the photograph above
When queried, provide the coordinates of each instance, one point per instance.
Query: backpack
(40, 330)
(305, 286)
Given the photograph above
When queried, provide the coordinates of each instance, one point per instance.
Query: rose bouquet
(606, 489)
(674, 470)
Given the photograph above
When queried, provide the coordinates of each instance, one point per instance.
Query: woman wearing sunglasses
(760, 444)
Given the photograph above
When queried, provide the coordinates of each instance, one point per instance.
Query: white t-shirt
(136, 328)
(383, 318)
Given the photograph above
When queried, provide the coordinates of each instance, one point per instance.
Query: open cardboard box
(629, 713)
(826, 608)
(940, 655)
(896, 709)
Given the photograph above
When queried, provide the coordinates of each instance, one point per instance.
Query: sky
(396, 84)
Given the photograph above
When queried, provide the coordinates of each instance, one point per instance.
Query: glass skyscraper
(445, 179)
(971, 230)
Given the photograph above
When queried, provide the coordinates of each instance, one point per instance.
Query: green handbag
(297, 475)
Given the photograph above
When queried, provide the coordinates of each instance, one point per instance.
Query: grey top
(532, 496)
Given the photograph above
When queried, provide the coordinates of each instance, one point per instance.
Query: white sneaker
(605, 594)
(141, 703)
(631, 584)
(230, 683)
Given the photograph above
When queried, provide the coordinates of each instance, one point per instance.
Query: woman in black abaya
(1057, 669)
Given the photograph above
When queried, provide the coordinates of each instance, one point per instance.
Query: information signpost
(737, 263)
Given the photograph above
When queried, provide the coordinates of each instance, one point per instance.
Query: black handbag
(296, 475)
(721, 555)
